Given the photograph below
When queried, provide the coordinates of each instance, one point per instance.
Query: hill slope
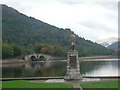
(114, 46)
(27, 31)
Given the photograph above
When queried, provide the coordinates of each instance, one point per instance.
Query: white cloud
(91, 20)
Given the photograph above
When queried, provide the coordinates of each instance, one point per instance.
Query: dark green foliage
(51, 49)
(27, 31)
(7, 51)
(11, 50)
(17, 50)
(26, 51)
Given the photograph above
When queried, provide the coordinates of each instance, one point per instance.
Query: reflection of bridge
(37, 57)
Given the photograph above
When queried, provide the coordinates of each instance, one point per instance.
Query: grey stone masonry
(73, 70)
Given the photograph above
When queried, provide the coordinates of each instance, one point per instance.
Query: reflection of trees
(46, 68)
(57, 69)
(8, 72)
(54, 69)
(35, 69)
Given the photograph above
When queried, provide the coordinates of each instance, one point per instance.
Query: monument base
(73, 71)
(73, 74)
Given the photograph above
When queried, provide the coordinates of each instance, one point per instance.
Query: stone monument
(73, 70)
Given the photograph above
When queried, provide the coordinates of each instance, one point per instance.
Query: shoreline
(15, 61)
(99, 57)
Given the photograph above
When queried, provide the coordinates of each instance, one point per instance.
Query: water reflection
(35, 69)
(45, 69)
(99, 68)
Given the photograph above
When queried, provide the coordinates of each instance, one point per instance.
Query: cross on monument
(73, 40)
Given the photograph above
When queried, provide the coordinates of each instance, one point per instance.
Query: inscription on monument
(73, 62)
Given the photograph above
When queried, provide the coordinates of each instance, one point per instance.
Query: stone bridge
(38, 57)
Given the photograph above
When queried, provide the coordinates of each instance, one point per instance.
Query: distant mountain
(115, 46)
(27, 31)
(107, 42)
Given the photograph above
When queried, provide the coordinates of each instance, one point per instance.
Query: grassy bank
(102, 84)
(13, 61)
(98, 57)
(28, 84)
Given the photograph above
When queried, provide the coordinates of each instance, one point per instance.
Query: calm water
(43, 69)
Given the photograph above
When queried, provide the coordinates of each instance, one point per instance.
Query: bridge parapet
(37, 56)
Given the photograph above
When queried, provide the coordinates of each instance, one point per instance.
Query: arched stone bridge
(38, 57)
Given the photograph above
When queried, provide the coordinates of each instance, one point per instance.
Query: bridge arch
(33, 58)
(42, 58)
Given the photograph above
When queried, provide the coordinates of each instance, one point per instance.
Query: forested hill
(27, 31)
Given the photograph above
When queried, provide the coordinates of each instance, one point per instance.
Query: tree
(17, 50)
(51, 49)
(7, 51)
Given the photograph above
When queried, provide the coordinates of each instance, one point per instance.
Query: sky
(93, 20)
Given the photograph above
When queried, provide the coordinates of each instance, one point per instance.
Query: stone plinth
(73, 70)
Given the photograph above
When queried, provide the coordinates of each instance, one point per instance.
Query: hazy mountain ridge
(115, 46)
(27, 31)
(107, 42)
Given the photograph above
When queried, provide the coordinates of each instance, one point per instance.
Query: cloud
(91, 20)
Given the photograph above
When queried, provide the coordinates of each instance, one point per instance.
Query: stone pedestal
(73, 70)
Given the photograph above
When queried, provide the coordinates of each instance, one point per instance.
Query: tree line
(15, 51)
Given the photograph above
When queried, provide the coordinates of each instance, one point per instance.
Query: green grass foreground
(102, 84)
(28, 84)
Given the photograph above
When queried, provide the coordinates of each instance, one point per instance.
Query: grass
(102, 84)
(28, 84)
